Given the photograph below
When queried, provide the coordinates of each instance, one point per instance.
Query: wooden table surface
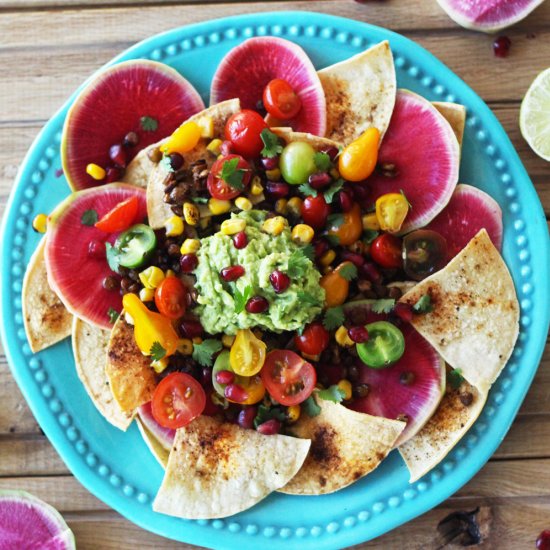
(48, 47)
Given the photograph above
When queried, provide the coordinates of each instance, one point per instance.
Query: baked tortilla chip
(345, 446)
(154, 445)
(217, 469)
(288, 135)
(132, 379)
(90, 355)
(46, 319)
(360, 93)
(443, 431)
(474, 320)
(455, 114)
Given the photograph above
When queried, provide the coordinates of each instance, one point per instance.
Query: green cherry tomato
(384, 347)
(297, 162)
(221, 363)
(135, 245)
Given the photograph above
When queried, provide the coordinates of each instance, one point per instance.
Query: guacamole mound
(298, 305)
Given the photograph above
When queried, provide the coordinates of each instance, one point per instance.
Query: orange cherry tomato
(120, 217)
(280, 99)
(350, 229)
(358, 160)
(336, 287)
(171, 298)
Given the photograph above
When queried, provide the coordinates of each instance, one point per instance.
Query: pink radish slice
(468, 211)
(74, 274)
(248, 68)
(165, 436)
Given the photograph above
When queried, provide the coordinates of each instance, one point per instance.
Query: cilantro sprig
(241, 298)
(272, 145)
(455, 378)
(89, 218)
(329, 193)
(298, 263)
(333, 393)
(322, 161)
(232, 175)
(308, 298)
(148, 124)
(203, 353)
(157, 352)
(424, 304)
(334, 317)
(113, 315)
(348, 271)
(268, 413)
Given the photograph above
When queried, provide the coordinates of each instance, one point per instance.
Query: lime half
(534, 116)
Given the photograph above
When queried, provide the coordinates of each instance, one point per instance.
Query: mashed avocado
(289, 310)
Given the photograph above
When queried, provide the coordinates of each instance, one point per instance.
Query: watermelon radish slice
(165, 436)
(75, 273)
(145, 97)
(488, 15)
(468, 211)
(248, 68)
(419, 156)
(26, 523)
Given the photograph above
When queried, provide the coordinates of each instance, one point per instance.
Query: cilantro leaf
(424, 304)
(166, 163)
(332, 393)
(307, 190)
(272, 146)
(242, 298)
(148, 124)
(113, 315)
(267, 413)
(335, 220)
(89, 217)
(348, 271)
(310, 407)
(382, 306)
(308, 251)
(332, 190)
(113, 256)
(369, 235)
(232, 175)
(405, 197)
(203, 352)
(199, 200)
(157, 352)
(322, 161)
(298, 263)
(308, 298)
(455, 378)
(334, 317)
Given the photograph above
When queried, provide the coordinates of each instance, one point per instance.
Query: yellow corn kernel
(294, 206)
(302, 233)
(311, 357)
(256, 187)
(95, 171)
(217, 206)
(190, 246)
(342, 337)
(205, 222)
(227, 340)
(183, 139)
(280, 206)
(191, 213)
(232, 226)
(334, 173)
(275, 226)
(39, 223)
(173, 226)
(169, 273)
(293, 413)
(206, 126)
(370, 222)
(273, 175)
(327, 258)
(243, 203)
(185, 346)
(151, 277)
(160, 365)
(146, 294)
(214, 146)
(345, 386)
(197, 340)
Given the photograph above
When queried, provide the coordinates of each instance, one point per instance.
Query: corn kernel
(370, 222)
(342, 337)
(302, 233)
(256, 199)
(243, 203)
(191, 213)
(227, 340)
(280, 206)
(170, 273)
(160, 365)
(334, 173)
(197, 340)
(275, 226)
(273, 175)
(293, 413)
(190, 246)
(95, 171)
(256, 187)
(217, 206)
(327, 258)
(232, 226)
(345, 386)
(206, 126)
(151, 277)
(294, 206)
(311, 357)
(173, 226)
(39, 223)
(185, 346)
(146, 294)
(214, 146)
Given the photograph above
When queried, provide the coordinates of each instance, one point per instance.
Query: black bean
(126, 283)
(406, 378)
(178, 195)
(177, 210)
(173, 250)
(155, 155)
(363, 285)
(361, 390)
(111, 283)
(135, 288)
(131, 139)
(353, 372)
(394, 292)
(381, 291)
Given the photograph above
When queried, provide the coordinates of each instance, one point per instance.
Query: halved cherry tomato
(315, 211)
(385, 250)
(280, 99)
(350, 229)
(177, 400)
(247, 354)
(122, 216)
(313, 340)
(243, 130)
(288, 378)
(223, 190)
(391, 211)
(171, 298)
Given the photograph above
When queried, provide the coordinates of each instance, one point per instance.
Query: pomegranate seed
(232, 273)
(270, 163)
(225, 377)
(501, 46)
(371, 272)
(346, 202)
(270, 427)
(331, 151)
(176, 161)
(246, 418)
(235, 393)
(206, 377)
(358, 334)
(131, 139)
(319, 180)
(189, 262)
(352, 257)
(277, 190)
(210, 409)
(403, 311)
(191, 329)
(96, 249)
(320, 247)
(118, 155)
(543, 541)
(279, 281)
(113, 173)
(226, 148)
(240, 240)
(257, 304)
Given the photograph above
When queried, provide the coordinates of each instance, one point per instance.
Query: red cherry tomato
(171, 298)
(313, 340)
(288, 378)
(177, 400)
(243, 131)
(221, 189)
(280, 99)
(315, 211)
(385, 250)
(121, 217)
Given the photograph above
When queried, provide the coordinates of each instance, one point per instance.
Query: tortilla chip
(455, 114)
(345, 446)
(360, 93)
(90, 356)
(132, 379)
(442, 432)
(288, 136)
(474, 321)
(46, 319)
(154, 445)
(217, 469)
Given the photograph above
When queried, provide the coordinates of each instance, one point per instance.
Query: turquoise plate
(118, 468)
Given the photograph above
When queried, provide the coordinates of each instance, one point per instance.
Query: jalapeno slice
(135, 245)
(385, 346)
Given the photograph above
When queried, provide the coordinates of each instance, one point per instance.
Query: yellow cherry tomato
(350, 229)
(391, 211)
(247, 355)
(183, 140)
(358, 159)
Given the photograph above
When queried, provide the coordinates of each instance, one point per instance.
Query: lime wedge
(534, 116)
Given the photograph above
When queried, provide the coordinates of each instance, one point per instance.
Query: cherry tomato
(336, 286)
(358, 160)
(243, 130)
(425, 252)
(247, 354)
(177, 400)
(121, 217)
(313, 340)
(391, 211)
(385, 250)
(218, 187)
(171, 298)
(315, 211)
(288, 378)
(350, 229)
(280, 99)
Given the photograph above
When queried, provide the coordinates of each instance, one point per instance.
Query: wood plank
(29, 457)
(529, 437)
